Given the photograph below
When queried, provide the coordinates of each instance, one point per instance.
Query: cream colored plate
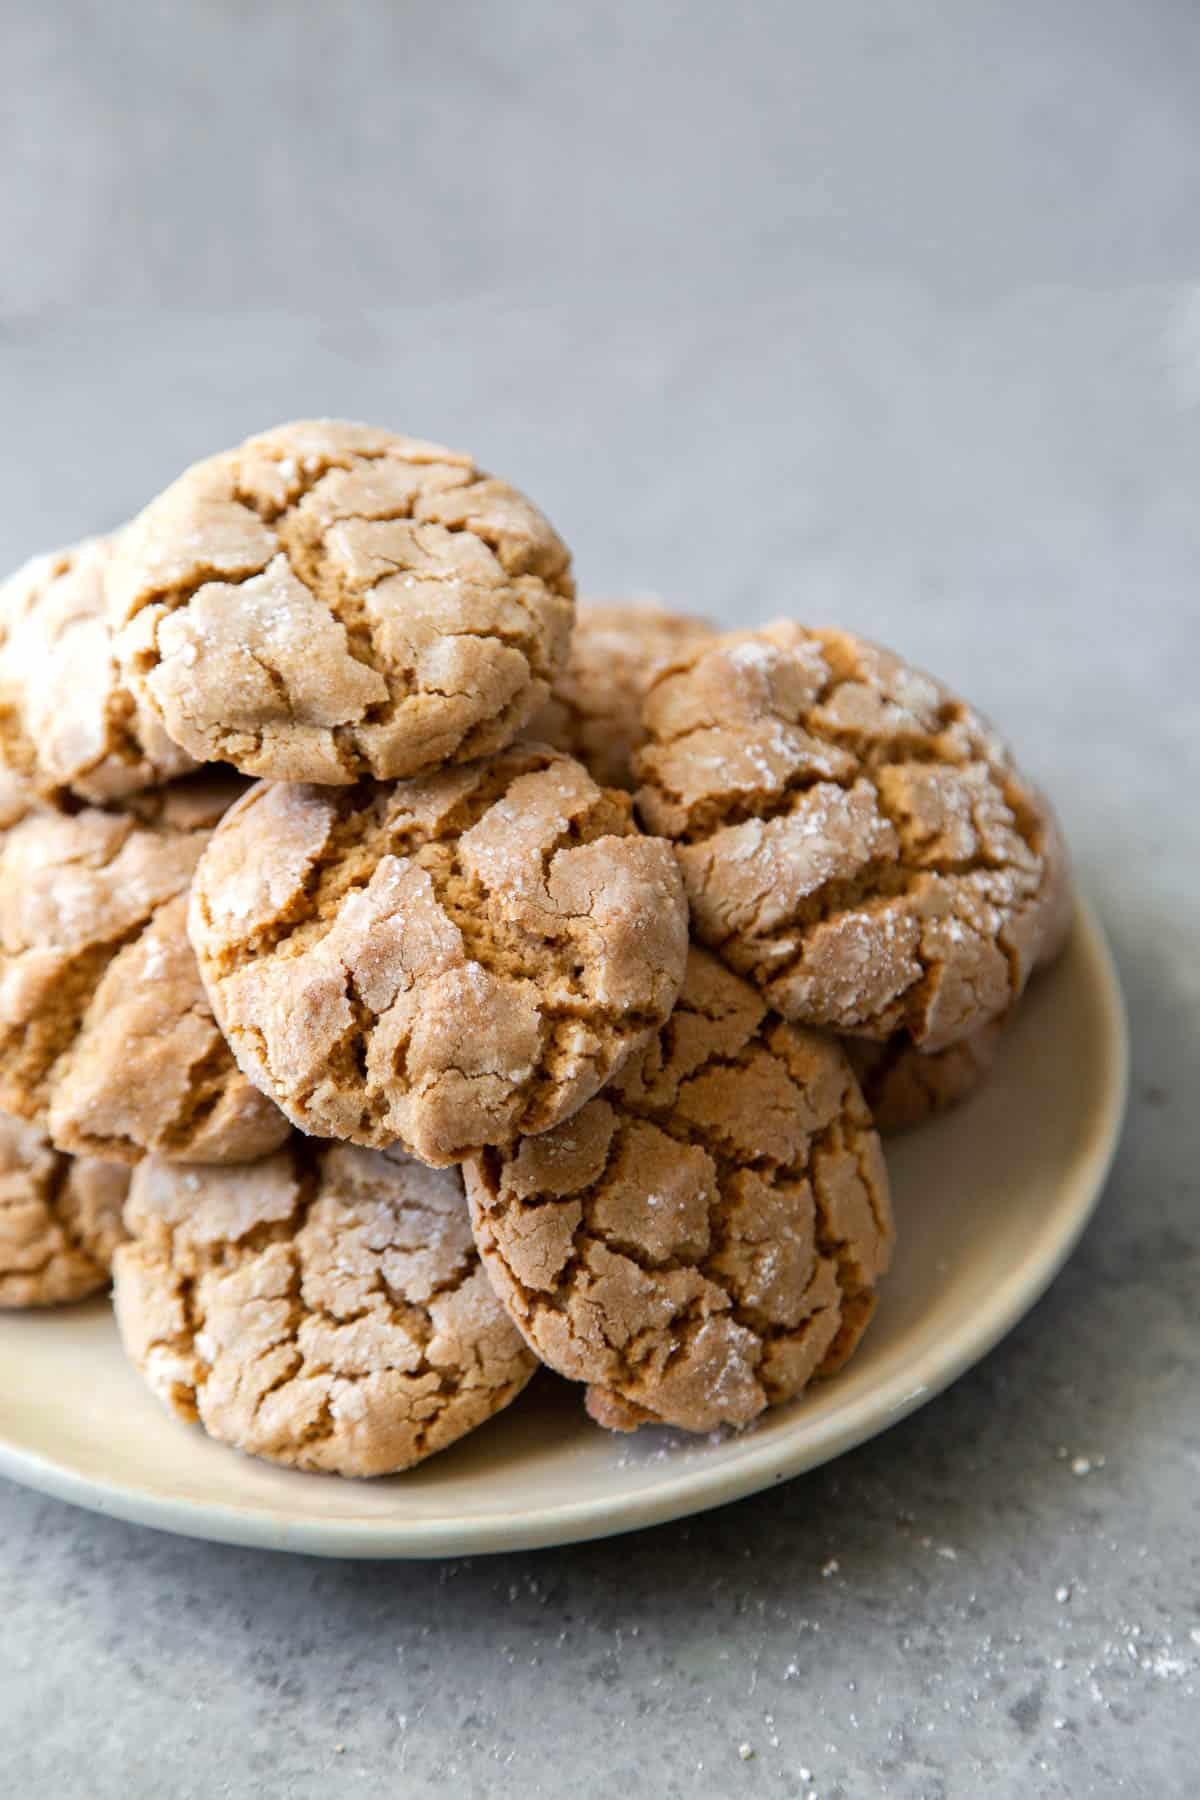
(989, 1203)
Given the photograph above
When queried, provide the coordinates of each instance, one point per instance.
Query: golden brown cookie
(106, 1036)
(439, 962)
(705, 1237)
(322, 1307)
(60, 1219)
(68, 723)
(850, 835)
(330, 600)
(595, 710)
(904, 1086)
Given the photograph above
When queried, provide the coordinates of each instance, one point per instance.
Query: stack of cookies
(404, 981)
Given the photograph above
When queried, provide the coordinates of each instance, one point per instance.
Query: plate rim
(689, 1491)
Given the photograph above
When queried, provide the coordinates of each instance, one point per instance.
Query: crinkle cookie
(68, 723)
(705, 1237)
(904, 1086)
(440, 962)
(850, 835)
(322, 1307)
(595, 710)
(330, 601)
(106, 1036)
(60, 1219)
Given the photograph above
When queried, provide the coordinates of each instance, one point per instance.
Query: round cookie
(60, 1219)
(107, 1039)
(904, 1086)
(68, 723)
(850, 835)
(595, 710)
(705, 1237)
(329, 601)
(441, 962)
(322, 1307)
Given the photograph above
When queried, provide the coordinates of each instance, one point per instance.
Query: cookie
(68, 723)
(850, 835)
(595, 710)
(904, 1086)
(439, 963)
(107, 1040)
(330, 601)
(705, 1237)
(323, 1307)
(60, 1219)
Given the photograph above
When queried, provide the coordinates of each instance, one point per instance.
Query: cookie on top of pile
(408, 977)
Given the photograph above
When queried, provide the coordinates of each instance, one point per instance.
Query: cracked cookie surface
(322, 1307)
(68, 722)
(330, 600)
(704, 1237)
(594, 712)
(60, 1219)
(850, 835)
(107, 1039)
(440, 962)
(903, 1085)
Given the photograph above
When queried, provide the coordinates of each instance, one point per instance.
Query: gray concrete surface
(884, 314)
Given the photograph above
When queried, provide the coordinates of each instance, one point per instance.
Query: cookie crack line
(719, 1208)
(405, 840)
(174, 595)
(202, 1092)
(308, 474)
(96, 955)
(50, 1197)
(765, 805)
(783, 968)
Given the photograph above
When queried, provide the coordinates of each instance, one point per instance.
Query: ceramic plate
(986, 1215)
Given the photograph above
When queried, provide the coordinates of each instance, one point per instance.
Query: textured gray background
(887, 313)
